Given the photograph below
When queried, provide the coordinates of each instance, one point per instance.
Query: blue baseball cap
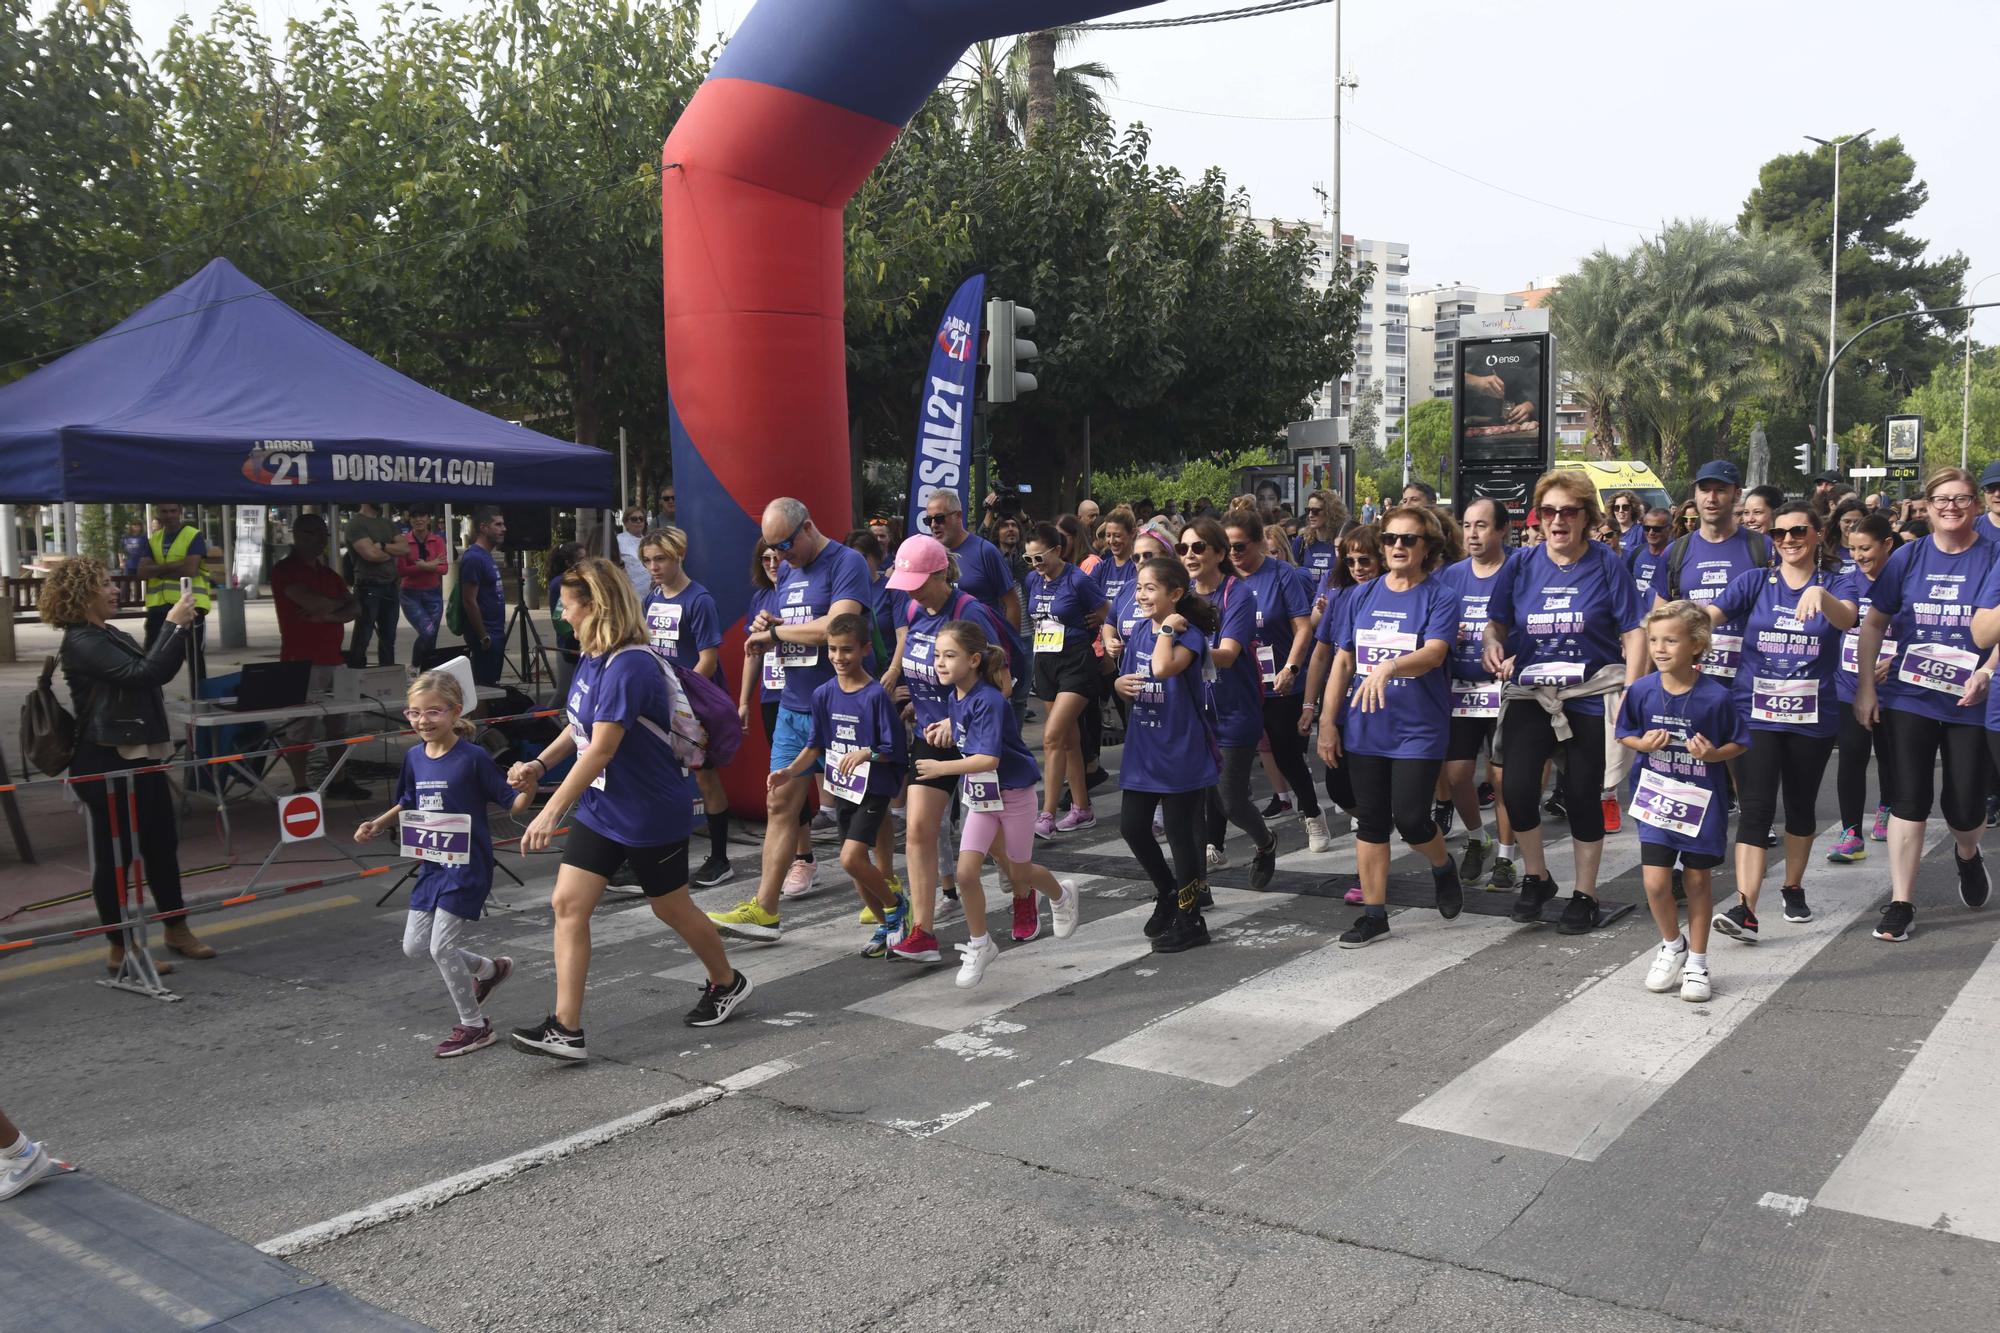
(1991, 476)
(1720, 469)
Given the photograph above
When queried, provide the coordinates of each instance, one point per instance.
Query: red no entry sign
(300, 817)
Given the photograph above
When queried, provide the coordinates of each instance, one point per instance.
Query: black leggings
(1229, 800)
(1396, 792)
(1183, 818)
(1851, 779)
(1790, 762)
(159, 842)
(1528, 742)
(1340, 785)
(1914, 743)
(1288, 748)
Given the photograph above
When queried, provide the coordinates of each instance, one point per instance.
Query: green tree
(1940, 401)
(1587, 315)
(1364, 424)
(1428, 430)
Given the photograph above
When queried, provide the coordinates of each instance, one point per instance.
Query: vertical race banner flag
(943, 459)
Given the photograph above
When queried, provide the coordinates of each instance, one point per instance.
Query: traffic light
(1803, 453)
(1006, 350)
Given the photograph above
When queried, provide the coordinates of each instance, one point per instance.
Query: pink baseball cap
(917, 559)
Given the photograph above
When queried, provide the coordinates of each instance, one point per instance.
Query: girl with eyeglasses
(440, 818)
(1869, 543)
(1066, 608)
(1360, 561)
(764, 675)
(1931, 704)
(1793, 615)
(1387, 713)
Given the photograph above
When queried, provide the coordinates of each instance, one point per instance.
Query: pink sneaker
(1076, 817)
(1353, 895)
(799, 879)
(1027, 919)
(1880, 833)
(503, 967)
(464, 1040)
(1045, 825)
(1849, 849)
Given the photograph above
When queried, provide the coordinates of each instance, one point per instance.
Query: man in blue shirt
(982, 570)
(1987, 527)
(480, 594)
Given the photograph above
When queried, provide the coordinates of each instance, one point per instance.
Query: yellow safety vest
(165, 592)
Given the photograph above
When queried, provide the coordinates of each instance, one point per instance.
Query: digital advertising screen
(1502, 408)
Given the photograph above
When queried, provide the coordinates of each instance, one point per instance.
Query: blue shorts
(793, 732)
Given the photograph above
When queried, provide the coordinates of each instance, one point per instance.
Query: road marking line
(1790, 1204)
(104, 1270)
(465, 1182)
(1929, 1157)
(923, 1129)
(224, 927)
(1574, 1082)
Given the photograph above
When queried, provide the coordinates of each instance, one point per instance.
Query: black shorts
(923, 749)
(862, 821)
(1469, 735)
(1663, 857)
(1071, 671)
(659, 870)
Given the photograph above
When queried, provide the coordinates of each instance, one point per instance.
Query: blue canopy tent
(219, 392)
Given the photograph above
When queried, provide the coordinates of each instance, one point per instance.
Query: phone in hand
(187, 586)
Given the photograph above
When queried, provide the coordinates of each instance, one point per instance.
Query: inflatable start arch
(799, 109)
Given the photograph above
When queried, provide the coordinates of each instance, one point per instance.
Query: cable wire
(1214, 16)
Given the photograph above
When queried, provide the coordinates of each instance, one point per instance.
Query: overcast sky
(1630, 114)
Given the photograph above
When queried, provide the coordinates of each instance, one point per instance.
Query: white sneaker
(799, 879)
(1317, 838)
(1066, 911)
(1665, 973)
(17, 1173)
(973, 960)
(1694, 985)
(1217, 858)
(1159, 827)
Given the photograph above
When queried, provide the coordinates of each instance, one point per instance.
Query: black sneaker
(1555, 807)
(1535, 891)
(1895, 923)
(1441, 812)
(1485, 796)
(1092, 781)
(1992, 810)
(1204, 898)
(1185, 930)
(715, 870)
(552, 1039)
(1738, 923)
(1277, 808)
(1264, 865)
(1365, 931)
(1974, 884)
(1580, 915)
(1162, 917)
(1450, 890)
(1796, 910)
(718, 1002)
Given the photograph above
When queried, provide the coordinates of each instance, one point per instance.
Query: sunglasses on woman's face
(1034, 559)
(1401, 538)
(1796, 533)
(1360, 559)
(1567, 513)
(1314, 511)
(1190, 548)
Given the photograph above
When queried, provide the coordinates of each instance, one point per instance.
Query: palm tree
(1587, 315)
(1000, 88)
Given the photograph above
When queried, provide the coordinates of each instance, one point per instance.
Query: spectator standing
(313, 602)
(176, 551)
(629, 538)
(132, 546)
(421, 571)
(372, 540)
(665, 517)
(481, 596)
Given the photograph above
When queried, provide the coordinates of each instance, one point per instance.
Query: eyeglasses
(1567, 513)
(1796, 533)
(1360, 559)
(1034, 559)
(934, 520)
(1238, 548)
(771, 558)
(1951, 501)
(1654, 527)
(1992, 491)
(1621, 509)
(786, 544)
(1314, 511)
(426, 714)
(1401, 538)
(1190, 548)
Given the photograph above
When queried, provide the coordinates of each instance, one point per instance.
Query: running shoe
(1535, 892)
(1186, 931)
(974, 959)
(1353, 895)
(1162, 916)
(799, 880)
(1217, 858)
(1486, 796)
(824, 825)
(1472, 863)
(1796, 910)
(1264, 865)
(715, 870)
(1738, 923)
(1896, 921)
(502, 969)
(1450, 892)
(465, 1039)
(1066, 911)
(716, 1003)
(1580, 915)
(1849, 849)
(1277, 808)
(1159, 827)
(549, 1037)
(1503, 878)
(1694, 985)
(1880, 832)
(747, 921)
(1317, 838)
(1045, 825)
(878, 943)
(919, 946)
(1096, 778)
(1614, 817)
(1992, 810)
(1554, 806)
(17, 1173)
(1974, 884)
(1027, 919)
(1665, 973)
(1364, 932)
(1441, 813)
(1077, 817)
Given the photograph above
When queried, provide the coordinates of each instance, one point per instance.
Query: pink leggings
(1015, 819)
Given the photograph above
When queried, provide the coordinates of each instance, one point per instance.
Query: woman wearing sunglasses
(1318, 545)
(1869, 544)
(1625, 512)
(1793, 615)
(1065, 608)
(1360, 560)
(1569, 617)
(764, 676)
(1387, 712)
(1930, 705)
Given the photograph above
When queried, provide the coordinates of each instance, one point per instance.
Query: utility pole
(1965, 392)
(1339, 84)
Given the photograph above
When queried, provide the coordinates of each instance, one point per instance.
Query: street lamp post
(1832, 449)
(1965, 399)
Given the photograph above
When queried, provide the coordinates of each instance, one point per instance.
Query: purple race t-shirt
(1929, 597)
(1785, 678)
(1678, 801)
(1166, 731)
(1565, 623)
(1379, 623)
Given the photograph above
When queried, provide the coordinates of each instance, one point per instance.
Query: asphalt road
(1470, 1124)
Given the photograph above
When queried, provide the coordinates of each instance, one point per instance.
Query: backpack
(1760, 556)
(704, 730)
(48, 732)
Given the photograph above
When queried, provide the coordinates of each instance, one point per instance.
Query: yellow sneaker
(869, 917)
(747, 921)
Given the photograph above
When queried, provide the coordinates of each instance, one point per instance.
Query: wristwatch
(1167, 631)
